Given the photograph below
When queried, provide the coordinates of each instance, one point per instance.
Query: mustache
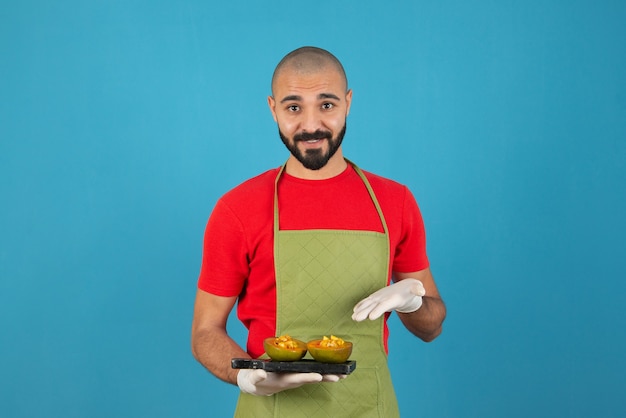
(306, 136)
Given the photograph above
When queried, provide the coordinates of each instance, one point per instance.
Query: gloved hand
(262, 383)
(403, 296)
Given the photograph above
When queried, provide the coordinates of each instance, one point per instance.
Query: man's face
(311, 110)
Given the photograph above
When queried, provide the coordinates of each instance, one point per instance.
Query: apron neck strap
(360, 174)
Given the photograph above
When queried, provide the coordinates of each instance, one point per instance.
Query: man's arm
(427, 322)
(212, 347)
(210, 344)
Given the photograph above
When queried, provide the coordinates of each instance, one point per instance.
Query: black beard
(314, 159)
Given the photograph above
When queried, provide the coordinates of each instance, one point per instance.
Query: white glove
(404, 296)
(262, 383)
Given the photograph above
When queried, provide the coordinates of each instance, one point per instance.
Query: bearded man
(314, 247)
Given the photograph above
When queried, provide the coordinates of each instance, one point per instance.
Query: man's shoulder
(386, 184)
(253, 187)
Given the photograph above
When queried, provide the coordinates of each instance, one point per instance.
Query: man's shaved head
(308, 60)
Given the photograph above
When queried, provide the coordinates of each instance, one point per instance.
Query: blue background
(122, 122)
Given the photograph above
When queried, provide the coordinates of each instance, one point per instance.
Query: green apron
(320, 276)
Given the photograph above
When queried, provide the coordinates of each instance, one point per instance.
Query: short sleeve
(224, 258)
(410, 254)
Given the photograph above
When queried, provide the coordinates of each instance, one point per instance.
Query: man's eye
(293, 108)
(327, 106)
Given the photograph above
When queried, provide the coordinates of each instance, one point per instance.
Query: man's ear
(272, 104)
(348, 101)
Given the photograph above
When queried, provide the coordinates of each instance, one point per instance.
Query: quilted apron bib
(320, 276)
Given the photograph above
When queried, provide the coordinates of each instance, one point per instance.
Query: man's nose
(311, 121)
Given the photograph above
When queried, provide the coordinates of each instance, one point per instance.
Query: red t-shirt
(238, 244)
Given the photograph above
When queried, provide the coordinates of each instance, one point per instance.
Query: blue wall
(122, 122)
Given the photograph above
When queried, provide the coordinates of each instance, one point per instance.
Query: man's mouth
(312, 137)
